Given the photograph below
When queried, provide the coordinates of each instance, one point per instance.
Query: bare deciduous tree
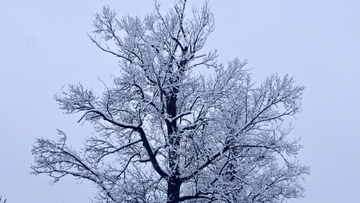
(166, 134)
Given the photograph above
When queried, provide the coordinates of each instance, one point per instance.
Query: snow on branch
(102, 114)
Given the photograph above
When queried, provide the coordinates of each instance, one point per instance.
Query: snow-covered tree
(165, 133)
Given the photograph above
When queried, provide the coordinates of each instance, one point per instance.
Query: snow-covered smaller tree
(168, 134)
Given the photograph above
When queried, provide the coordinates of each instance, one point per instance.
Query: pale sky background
(43, 46)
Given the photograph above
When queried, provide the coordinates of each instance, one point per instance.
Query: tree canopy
(168, 134)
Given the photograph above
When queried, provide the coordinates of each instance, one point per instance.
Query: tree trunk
(173, 192)
(174, 182)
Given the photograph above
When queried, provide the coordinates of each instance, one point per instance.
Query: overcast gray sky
(43, 46)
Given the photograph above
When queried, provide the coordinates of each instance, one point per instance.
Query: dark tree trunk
(174, 183)
(173, 192)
